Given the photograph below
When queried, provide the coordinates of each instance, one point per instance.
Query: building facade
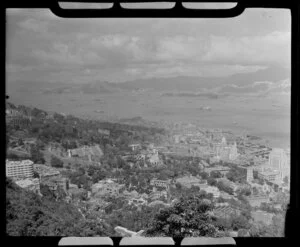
(30, 184)
(19, 169)
(279, 160)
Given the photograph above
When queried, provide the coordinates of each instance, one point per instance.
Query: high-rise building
(279, 161)
(233, 152)
(224, 151)
(19, 169)
(249, 175)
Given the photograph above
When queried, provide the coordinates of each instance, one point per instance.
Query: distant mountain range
(180, 84)
(192, 83)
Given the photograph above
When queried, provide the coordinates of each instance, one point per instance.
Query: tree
(178, 186)
(56, 162)
(188, 217)
(244, 192)
(221, 186)
(36, 155)
(215, 174)
(98, 175)
(236, 174)
(204, 175)
(212, 181)
(239, 222)
(28, 214)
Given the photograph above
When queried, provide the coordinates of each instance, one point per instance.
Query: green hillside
(28, 214)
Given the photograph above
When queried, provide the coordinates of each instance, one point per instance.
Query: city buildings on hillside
(211, 190)
(19, 169)
(158, 202)
(77, 193)
(158, 194)
(257, 200)
(249, 174)
(10, 112)
(31, 184)
(225, 211)
(137, 201)
(135, 147)
(223, 151)
(260, 189)
(222, 169)
(226, 196)
(104, 132)
(164, 184)
(107, 187)
(261, 216)
(189, 181)
(228, 183)
(45, 172)
(57, 182)
(86, 152)
(279, 160)
(154, 159)
(277, 167)
(269, 174)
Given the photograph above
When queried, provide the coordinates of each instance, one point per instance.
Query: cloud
(257, 88)
(34, 25)
(129, 49)
(272, 48)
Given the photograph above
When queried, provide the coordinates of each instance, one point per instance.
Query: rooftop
(45, 170)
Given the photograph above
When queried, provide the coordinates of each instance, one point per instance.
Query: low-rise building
(131, 194)
(53, 183)
(189, 181)
(135, 147)
(104, 132)
(228, 183)
(158, 194)
(153, 158)
(160, 183)
(257, 200)
(137, 201)
(77, 193)
(262, 189)
(222, 169)
(212, 190)
(86, 152)
(31, 184)
(270, 175)
(262, 216)
(225, 195)
(45, 172)
(158, 202)
(107, 188)
(225, 211)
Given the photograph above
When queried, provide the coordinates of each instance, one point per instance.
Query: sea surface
(266, 117)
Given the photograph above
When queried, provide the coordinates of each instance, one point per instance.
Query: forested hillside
(28, 214)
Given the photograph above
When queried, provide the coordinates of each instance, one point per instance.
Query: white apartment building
(19, 169)
(279, 160)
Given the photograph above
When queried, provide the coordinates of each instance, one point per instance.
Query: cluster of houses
(90, 153)
(31, 176)
(143, 157)
(225, 210)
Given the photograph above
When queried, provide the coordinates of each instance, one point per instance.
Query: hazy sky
(43, 47)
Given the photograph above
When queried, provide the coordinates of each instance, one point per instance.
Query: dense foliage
(188, 217)
(28, 214)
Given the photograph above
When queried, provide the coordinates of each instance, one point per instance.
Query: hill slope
(28, 214)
